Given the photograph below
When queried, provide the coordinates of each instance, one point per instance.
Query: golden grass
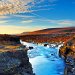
(12, 47)
(9, 48)
(1, 50)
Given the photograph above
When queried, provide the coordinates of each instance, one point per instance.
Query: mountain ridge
(51, 31)
(49, 35)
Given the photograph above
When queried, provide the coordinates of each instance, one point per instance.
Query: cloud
(13, 6)
(62, 22)
(3, 17)
(20, 6)
(23, 16)
(66, 22)
(27, 21)
(1, 22)
(59, 23)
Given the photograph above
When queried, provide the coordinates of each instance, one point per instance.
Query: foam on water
(45, 60)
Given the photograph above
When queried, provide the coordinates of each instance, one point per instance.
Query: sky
(17, 16)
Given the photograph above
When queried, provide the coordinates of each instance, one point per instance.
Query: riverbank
(13, 57)
(68, 54)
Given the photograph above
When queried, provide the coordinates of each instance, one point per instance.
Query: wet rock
(30, 47)
(45, 45)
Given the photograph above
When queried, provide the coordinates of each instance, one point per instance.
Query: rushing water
(45, 60)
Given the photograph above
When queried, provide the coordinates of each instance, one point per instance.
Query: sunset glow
(17, 16)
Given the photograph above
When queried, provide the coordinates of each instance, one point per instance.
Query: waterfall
(59, 49)
(45, 59)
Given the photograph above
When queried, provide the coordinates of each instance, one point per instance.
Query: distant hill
(52, 31)
(49, 35)
(24, 33)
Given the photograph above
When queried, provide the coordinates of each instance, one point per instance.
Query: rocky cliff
(13, 57)
(15, 63)
(68, 53)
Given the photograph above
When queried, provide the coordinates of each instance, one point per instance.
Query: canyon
(14, 58)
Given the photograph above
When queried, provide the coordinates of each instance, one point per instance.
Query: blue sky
(17, 16)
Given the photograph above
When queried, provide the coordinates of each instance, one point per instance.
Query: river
(45, 60)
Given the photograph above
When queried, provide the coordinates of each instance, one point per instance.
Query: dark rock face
(69, 57)
(68, 52)
(30, 48)
(13, 57)
(45, 45)
(70, 66)
(15, 63)
(9, 39)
